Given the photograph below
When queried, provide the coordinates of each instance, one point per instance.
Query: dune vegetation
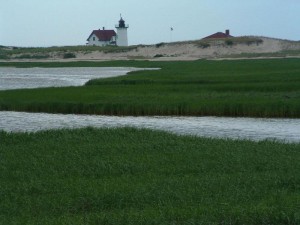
(7, 53)
(234, 47)
(247, 88)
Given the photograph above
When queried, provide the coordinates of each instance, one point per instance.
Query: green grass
(249, 88)
(129, 176)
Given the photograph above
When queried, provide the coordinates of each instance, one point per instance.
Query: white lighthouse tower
(122, 39)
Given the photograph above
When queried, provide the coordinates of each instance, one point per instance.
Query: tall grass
(129, 176)
(256, 88)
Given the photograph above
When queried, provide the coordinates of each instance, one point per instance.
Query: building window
(94, 39)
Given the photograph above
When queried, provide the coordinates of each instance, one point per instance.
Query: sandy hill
(212, 49)
(238, 47)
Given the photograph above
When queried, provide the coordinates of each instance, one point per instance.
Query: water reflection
(221, 127)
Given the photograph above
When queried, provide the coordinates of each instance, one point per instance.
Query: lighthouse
(122, 39)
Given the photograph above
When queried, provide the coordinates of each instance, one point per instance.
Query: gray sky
(69, 22)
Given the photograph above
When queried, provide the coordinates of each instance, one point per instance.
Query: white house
(102, 37)
(110, 37)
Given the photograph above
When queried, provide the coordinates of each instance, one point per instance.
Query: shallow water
(16, 78)
(286, 130)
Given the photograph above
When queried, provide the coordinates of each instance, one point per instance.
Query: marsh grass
(252, 88)
(130, 176)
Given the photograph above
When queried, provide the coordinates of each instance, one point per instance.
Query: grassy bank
(252, 88)
(128, 176)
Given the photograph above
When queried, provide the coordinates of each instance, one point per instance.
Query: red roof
(103, 35)
(218, 35)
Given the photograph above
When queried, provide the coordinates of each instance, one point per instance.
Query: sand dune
(233, 48)
(193, 50)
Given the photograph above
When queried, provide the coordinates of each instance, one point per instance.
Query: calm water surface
(16, 78)
(287, 130)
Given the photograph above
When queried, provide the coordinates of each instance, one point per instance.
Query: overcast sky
(70, 22)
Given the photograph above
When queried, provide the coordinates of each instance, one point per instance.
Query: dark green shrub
(229, 42)
(159, 45)
(203, 44)
(69, 55)
(158, 56)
